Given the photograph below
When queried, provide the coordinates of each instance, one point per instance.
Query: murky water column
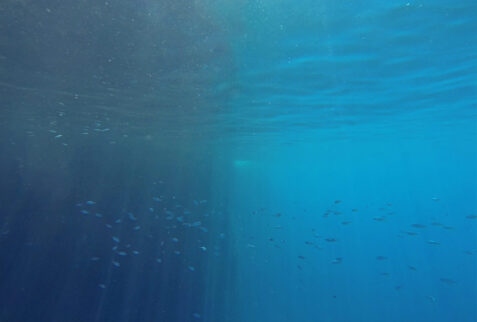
(107, 163)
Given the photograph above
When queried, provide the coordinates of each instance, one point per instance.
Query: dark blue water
(238, 161)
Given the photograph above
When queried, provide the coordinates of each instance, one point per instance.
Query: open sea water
(238, 161)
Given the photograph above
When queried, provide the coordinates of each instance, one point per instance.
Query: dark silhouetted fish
(447, 281)
(337, 260)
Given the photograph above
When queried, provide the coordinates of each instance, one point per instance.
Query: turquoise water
(238, 161)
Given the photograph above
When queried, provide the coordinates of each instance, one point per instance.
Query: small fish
(431, 298)
(331, 240)
(203, 248)
(447, 281)
(410, 233)
(251, 245)
(191, 268)
(84, 212)
(137, 228)
(196, 315)
(471, 217)
(412, 268)
(435, 199)
(151, 209)
(337, 202)
(131, 217)
(135, 252)
(118, 221)
(379, 218)
(159, 260)
(278, 215)
(177, 252)
(433, 242)
(116, 263)
(301, 257)
(122, 253)
(418, 226)
(337, 260)
(90, 202)
(58, 136)
(94, 259)
(99, 215)
(109, 226)
(102, 286)
(102, 130)
(381, 258)
(346, 222)
(175, 240)
(116, 239)
(354, 210)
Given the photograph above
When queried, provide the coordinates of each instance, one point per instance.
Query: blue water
(238, 161)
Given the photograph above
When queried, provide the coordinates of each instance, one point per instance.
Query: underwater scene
(238, 161)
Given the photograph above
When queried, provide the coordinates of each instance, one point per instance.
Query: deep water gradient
(238, 161)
